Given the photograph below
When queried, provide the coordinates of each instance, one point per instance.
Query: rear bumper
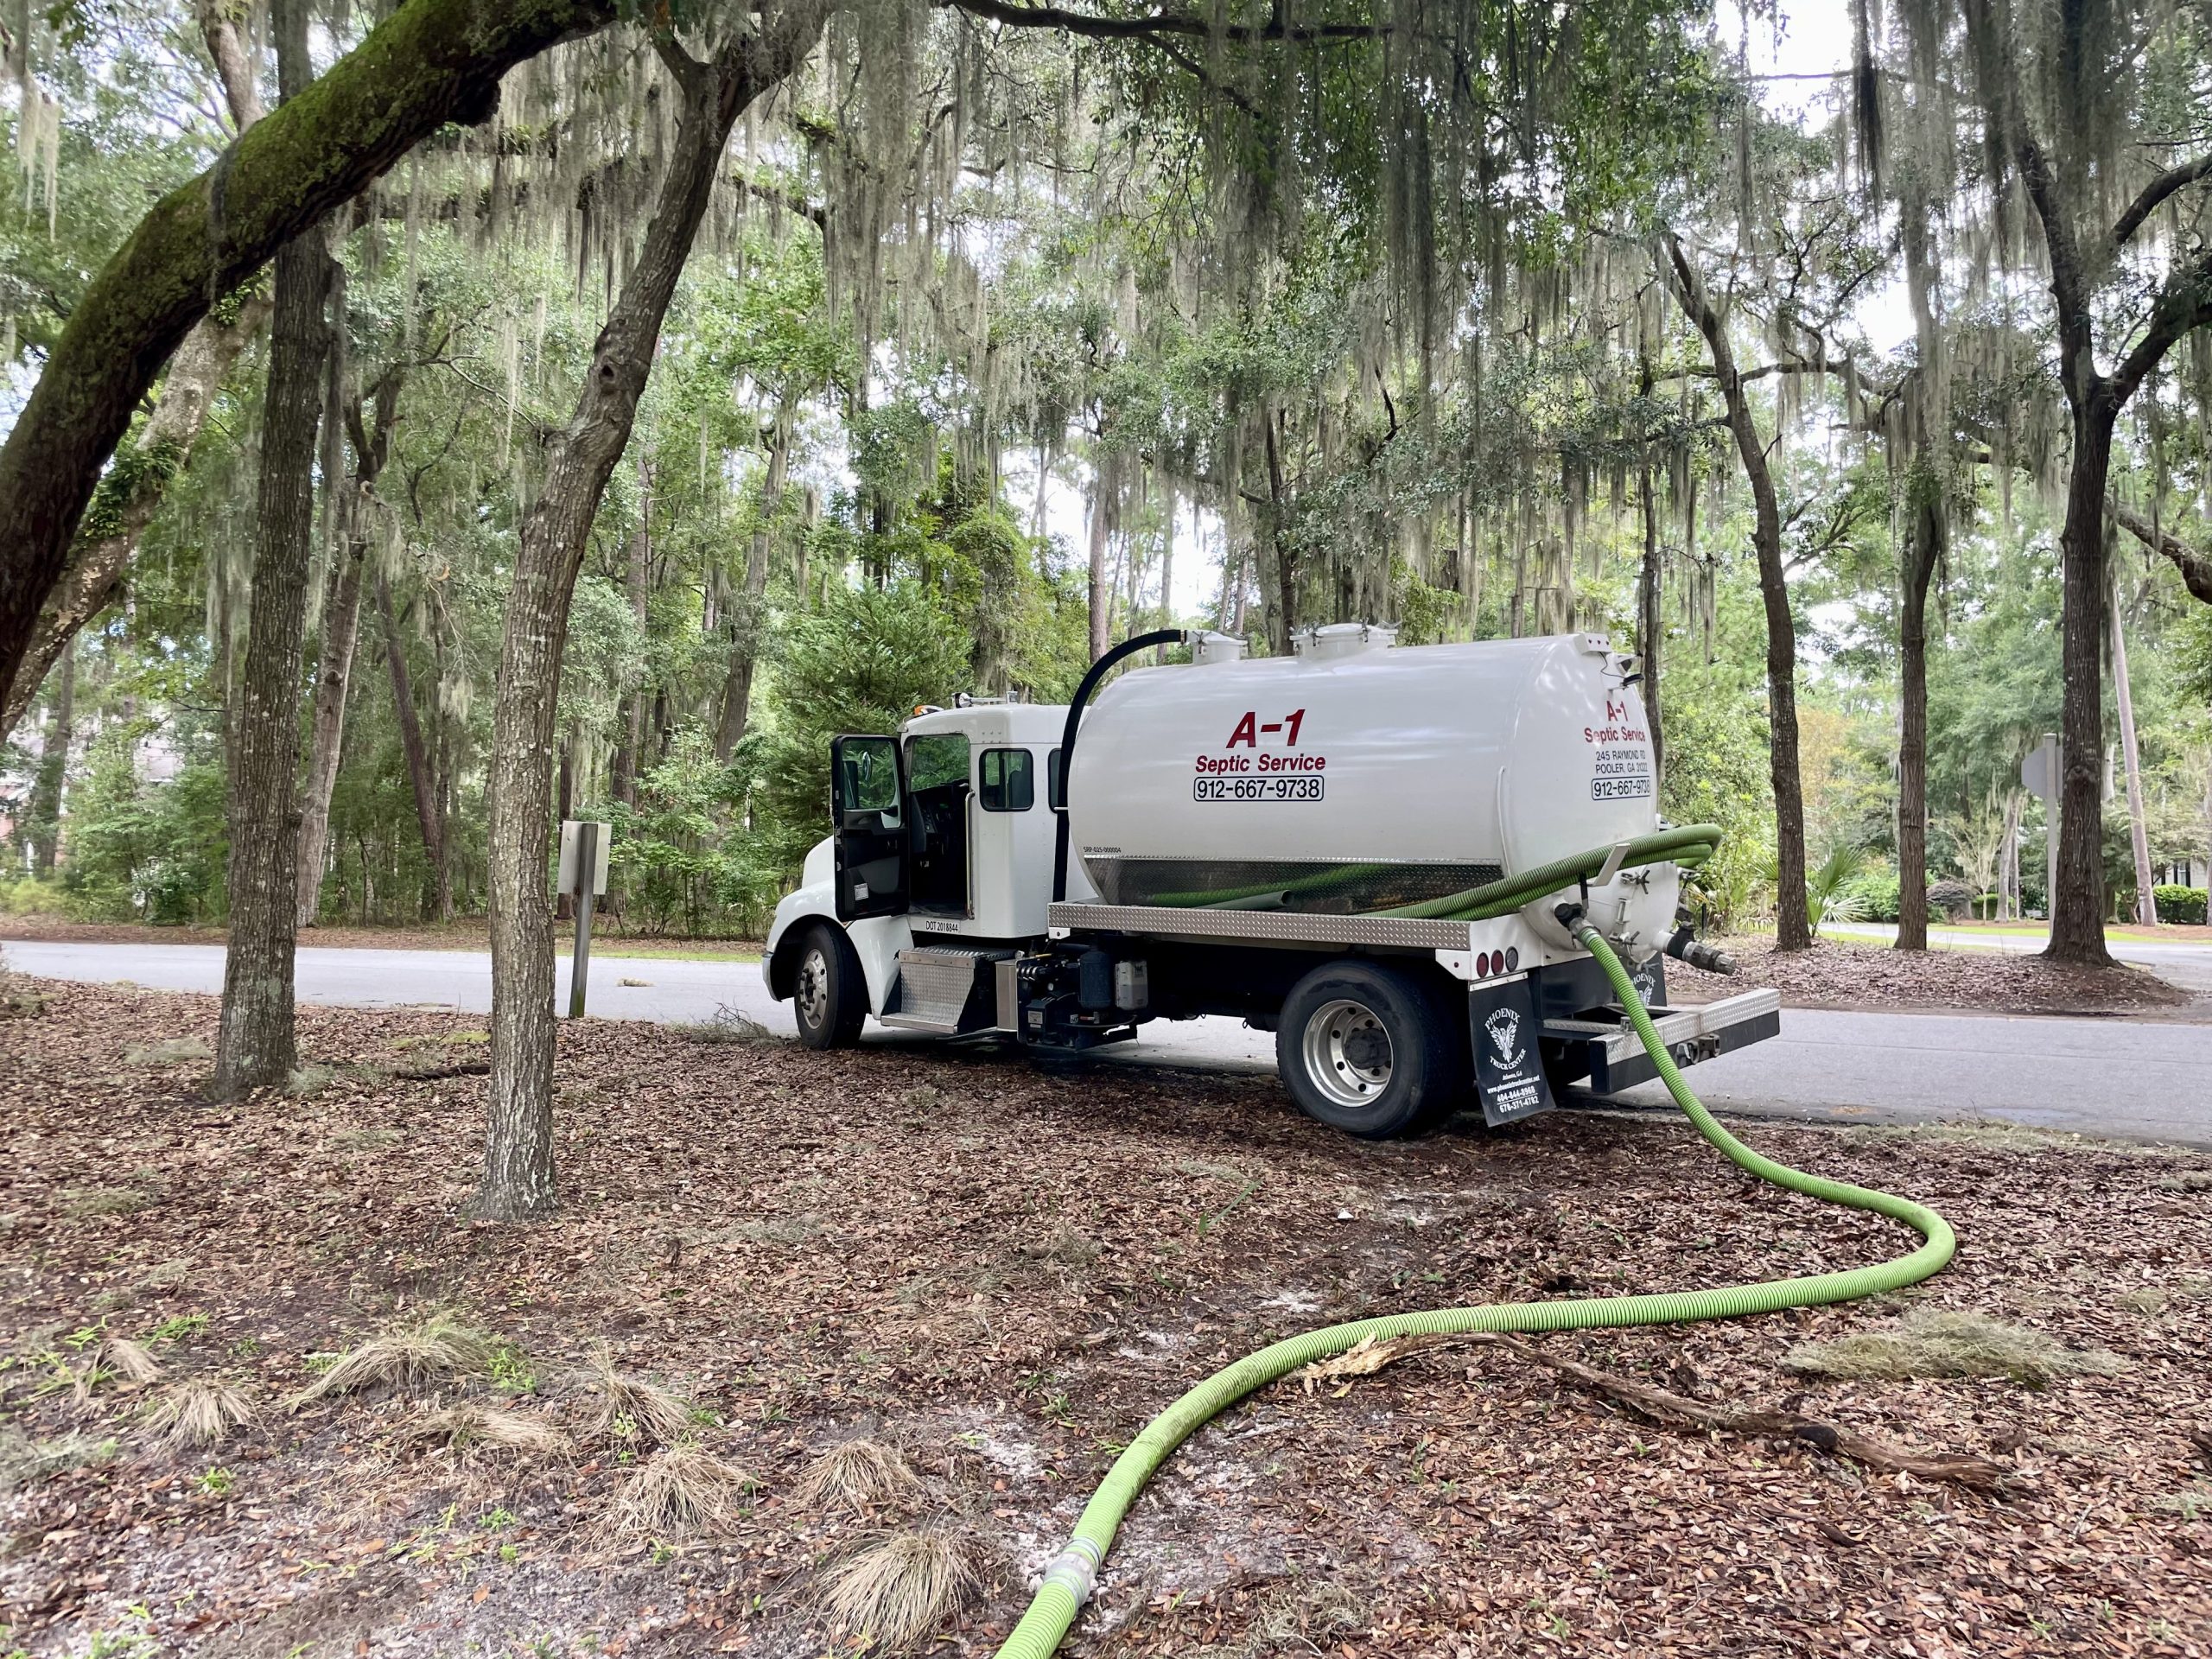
(1613, 1056)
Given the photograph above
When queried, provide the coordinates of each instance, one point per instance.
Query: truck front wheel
(829, 992)
(1367, 1049)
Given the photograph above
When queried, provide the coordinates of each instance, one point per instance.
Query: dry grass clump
(726, 1025)
(1071, 1247)
(1299, 1616)
(172, 1051)
(1941, 1343)
(680, 1492)
(782, 1229)
(23, 1460)
(129, 1361)
(428, 1351)
(899, 1589)
(855, 1474)
(468, 1425)
(631, 1408)
(199, 1411)
(98, 1203)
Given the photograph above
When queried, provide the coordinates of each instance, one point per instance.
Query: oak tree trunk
(745, 619)
(1651, 630)
(2078, 909)
(341, 618)
(429, 63)
(518, 1179)
(1098, 591)
(255, 1043)
(1793, 927)
(44, 808)
(427, 819)
(1922, 546)
(2146, 904)
(131, 492)
(636, 586)
(1278, 578)
(126, 499)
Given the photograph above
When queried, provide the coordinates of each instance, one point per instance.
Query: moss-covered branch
(431, 62)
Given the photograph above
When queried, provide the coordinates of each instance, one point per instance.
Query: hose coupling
(1686, 946)
(1569, 914)
(1075, 1569)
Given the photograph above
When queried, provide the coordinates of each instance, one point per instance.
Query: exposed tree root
(1679, 1411)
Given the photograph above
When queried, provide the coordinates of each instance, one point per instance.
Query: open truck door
(867, 797)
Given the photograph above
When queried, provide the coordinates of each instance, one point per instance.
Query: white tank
(1358, 775)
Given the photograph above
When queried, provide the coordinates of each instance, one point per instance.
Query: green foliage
(1714, 727)
(675, 863)
(1873, 897)
(141, 851)
(1830, 894)
(861, 664)
(2179, 906)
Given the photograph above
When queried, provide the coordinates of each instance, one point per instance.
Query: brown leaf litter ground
(1867, 974)
(996, 1274)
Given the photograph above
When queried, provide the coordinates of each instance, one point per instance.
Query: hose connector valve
(1075, 1569)
(1686, 946)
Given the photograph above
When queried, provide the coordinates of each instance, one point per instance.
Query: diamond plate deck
(1408, 933)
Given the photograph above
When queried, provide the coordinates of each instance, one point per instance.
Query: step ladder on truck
(1361, 847)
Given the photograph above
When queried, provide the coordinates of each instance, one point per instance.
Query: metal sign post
(2040, 776)
(584, 876)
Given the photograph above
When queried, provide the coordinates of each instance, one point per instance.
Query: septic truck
(1377, 852)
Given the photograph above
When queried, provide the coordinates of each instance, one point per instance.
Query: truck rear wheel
(1370, 1051)
(829, 992)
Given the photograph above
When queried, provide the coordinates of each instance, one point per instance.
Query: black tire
(1370, 1049)
(829, 990)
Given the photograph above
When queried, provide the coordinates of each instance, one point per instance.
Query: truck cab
(940, 858)
(931, 906)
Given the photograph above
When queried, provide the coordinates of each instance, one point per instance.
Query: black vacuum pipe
(1128, 648)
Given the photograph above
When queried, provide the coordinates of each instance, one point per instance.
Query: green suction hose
(1069, 1578)
(1686, 845)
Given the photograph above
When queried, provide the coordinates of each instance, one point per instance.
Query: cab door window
(937, 781)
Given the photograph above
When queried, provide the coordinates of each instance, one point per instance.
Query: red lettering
(1247, 733)
(1295, 720)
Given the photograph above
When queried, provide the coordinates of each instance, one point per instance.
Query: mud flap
(1508, 1065)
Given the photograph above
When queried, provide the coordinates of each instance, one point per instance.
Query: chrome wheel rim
(1348, 1054)
(814, 991)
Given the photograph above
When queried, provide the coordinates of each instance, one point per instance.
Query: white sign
(2039, 771)
(570, 835)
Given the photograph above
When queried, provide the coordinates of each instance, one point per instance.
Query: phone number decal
(1256, 789)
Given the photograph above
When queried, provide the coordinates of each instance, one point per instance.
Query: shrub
(1950, 899)
(1875, 896)
(2182, 907)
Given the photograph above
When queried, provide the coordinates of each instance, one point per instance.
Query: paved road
(2109, 1076)
(2187, 964)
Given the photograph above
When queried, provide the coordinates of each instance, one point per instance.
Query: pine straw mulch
(1004, 1273)
(1866, 974)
